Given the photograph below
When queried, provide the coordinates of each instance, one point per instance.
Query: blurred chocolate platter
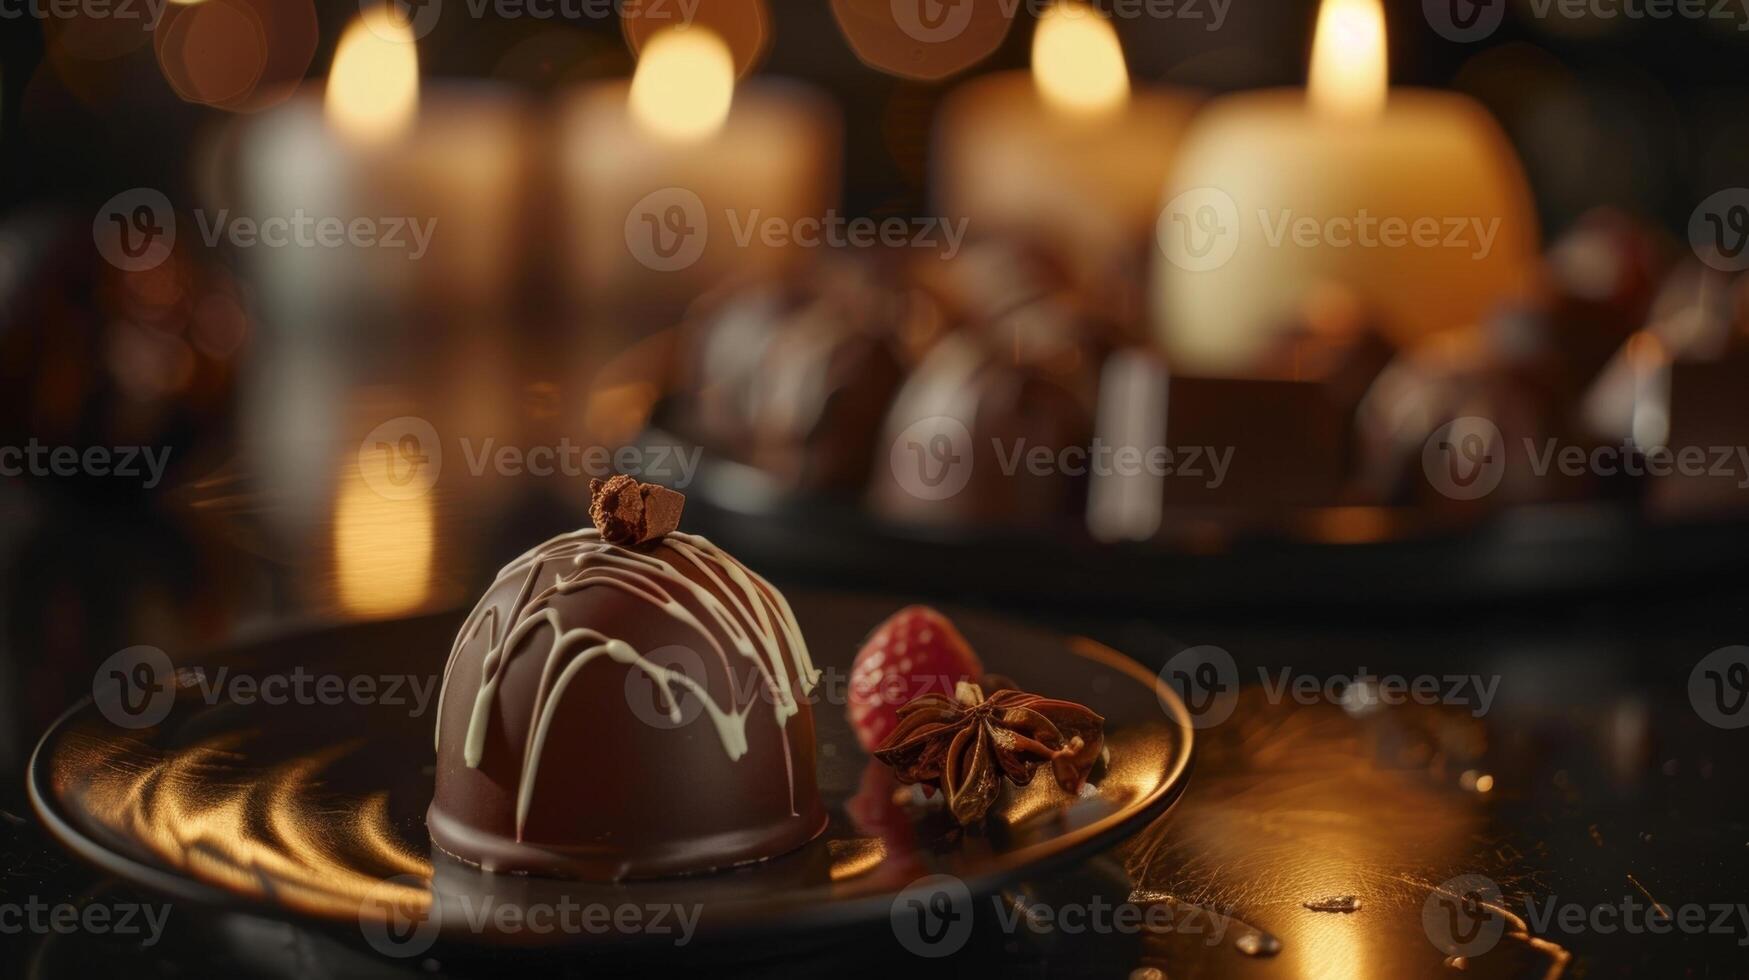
(922, 421)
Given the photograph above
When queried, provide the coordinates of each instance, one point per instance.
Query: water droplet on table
(1256, 943)
(1334, 903)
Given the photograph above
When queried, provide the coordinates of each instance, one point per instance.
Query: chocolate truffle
(614, 712)
(794, 377)
(991, 426)
(1677, 387)
(1450, 380)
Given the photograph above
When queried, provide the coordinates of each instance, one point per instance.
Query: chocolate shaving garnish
(967, 744)
(628, 512)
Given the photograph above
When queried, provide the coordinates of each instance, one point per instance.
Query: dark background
(1647, 115)
(1641, 113)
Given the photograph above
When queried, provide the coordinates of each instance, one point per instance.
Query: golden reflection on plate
(317, 810)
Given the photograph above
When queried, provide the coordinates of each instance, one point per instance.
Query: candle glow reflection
(382, 546)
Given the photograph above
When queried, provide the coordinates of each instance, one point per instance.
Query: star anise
(965, 745)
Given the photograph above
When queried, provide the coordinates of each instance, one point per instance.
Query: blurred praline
(1678, 386)
(981, 430)
(795, 376)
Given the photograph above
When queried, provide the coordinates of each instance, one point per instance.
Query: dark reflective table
(1563, 804)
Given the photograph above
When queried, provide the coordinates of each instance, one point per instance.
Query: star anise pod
(965, 745)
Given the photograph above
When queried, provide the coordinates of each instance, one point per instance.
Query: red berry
(916, 651)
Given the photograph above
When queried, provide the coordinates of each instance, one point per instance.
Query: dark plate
(315, 810)
(1322, 557)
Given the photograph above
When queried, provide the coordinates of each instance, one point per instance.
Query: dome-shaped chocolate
(612, 712)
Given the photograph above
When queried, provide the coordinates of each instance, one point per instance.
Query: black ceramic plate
(1330, 556)
(315, 811)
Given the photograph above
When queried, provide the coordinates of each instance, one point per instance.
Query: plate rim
(1073, 845)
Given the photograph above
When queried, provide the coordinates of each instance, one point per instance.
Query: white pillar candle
(1415, 200)
(1069, 154)
(671, 181)
(411, 197)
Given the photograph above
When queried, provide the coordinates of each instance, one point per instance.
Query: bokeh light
(240, 55)
(923, 39)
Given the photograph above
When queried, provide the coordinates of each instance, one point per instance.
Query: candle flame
(373, 88)
(1077, 63)
(684, 84)
(1348, 77)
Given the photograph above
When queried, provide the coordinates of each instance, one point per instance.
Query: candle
(382, 225)
(1069, 153)
(671, 180)
(1415, 201)
(397, 199)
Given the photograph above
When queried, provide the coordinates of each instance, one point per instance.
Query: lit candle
(1412, 198)
(418, 189)
(392, 304)
(1069, 154)
(670, 180)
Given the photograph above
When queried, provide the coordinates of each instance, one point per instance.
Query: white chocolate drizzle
(755, 619)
